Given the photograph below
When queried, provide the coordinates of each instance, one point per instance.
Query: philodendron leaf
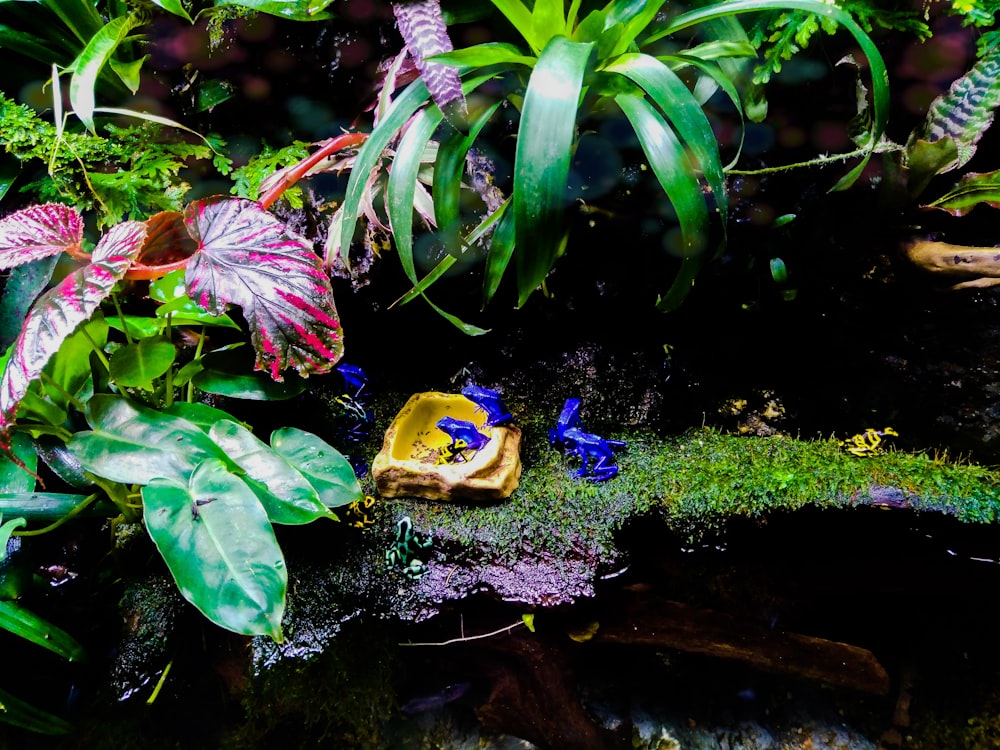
(38, 232)
(134, 444)
(323, 465)
(135, 365)
(286, 495)
(249, 258)
(220, 548)
(60, 310)
(14, 478)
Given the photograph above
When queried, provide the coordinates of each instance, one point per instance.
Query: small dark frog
(465, 436)
(403, 552)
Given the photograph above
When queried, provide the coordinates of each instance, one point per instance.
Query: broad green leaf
(286, 495)
(171, 292)
(14, 478)
(129, 72)
(23, 623)
(69, 369)
(541, 164)
(548, 19)
(253, 386)
(137, 326)
(247, 257)
(87, 67)
(668, 160)
(38, 232)
(972, 190)
(59, 311)
(134, 444)
(136, 365)
(19, 713)
(220, 548)
(202, 415)
(925, 160)
(323, 465)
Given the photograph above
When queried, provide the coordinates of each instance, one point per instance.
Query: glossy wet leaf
(220, 548)
(247, 257)
(134, 444)
(286, 495)
(38, 232)
(24, 623)
(323, 465)
(59, 311)
(171, 292)
(253, 386)
(174, 6)
(541, 165)
(136, 365)
(296, 10)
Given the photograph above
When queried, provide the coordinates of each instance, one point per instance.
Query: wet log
(964, 265)
(648, 619)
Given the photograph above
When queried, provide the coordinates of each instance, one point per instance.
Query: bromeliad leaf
(249, 258)
(60, 310)
(423, 29)
(38, 232)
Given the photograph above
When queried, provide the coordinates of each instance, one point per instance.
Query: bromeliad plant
(569, 69)
(207, 489)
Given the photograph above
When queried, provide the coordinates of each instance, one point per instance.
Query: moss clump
(697, 482)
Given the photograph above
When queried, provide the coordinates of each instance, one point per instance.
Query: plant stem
(77, 403)
(121, 316)
(77, 509)
(337, 143)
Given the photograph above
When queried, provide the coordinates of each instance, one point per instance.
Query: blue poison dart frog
(488, 401)
(465, 436)
(588, 446)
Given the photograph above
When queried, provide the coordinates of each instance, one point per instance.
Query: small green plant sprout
(568, 70)
(189, 470)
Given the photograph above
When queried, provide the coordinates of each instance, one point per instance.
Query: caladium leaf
(249, 258)
(59, 311)
(38, 232)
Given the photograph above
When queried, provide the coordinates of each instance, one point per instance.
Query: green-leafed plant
(206, 488)
(571, 66)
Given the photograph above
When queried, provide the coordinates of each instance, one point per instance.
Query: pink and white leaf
(58, 312)
(249, 258)
(38, 232)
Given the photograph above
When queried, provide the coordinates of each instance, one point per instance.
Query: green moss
(697, 482)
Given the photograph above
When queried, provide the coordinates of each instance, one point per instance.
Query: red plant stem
(338, 143)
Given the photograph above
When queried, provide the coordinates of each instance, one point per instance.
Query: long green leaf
(370, 153)
(668, 160)
(220, 548)
(541, 164)
(319, 462)
(403, 183)
(87, 67)
(880, 76)
(21, 622)
(520, 18)
(685, 114)
(80, 16)
(19, 713)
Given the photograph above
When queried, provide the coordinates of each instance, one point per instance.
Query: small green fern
(128, 173)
